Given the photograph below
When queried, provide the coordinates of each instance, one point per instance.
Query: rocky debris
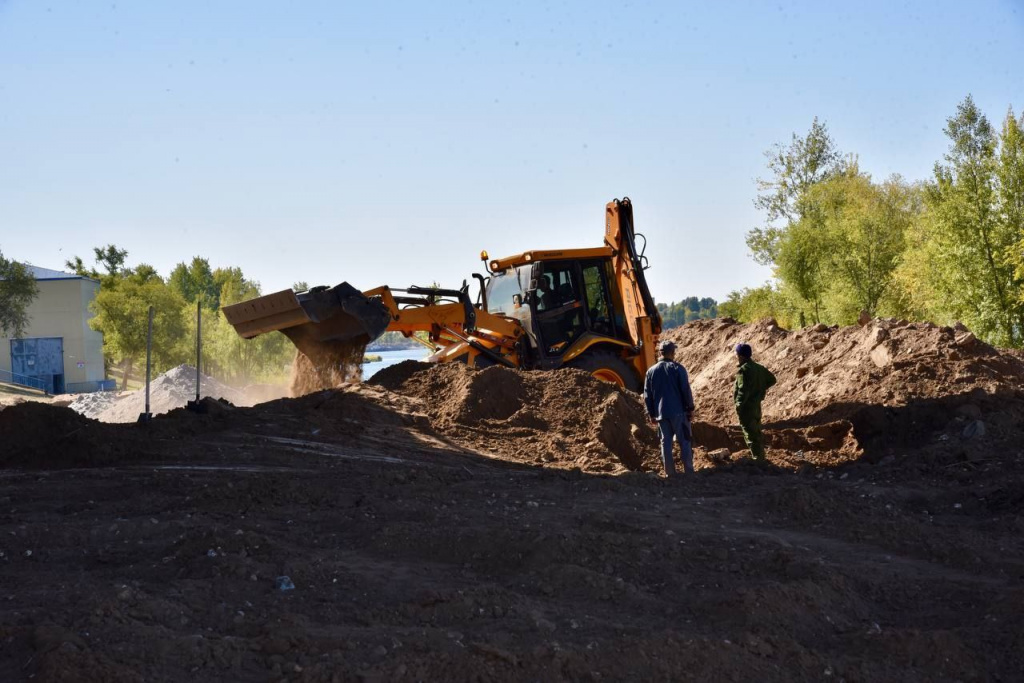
(173, 389)
(95, 403)
(718, 455)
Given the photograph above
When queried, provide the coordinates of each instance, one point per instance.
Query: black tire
(605, 362)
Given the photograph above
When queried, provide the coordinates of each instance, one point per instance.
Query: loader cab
(569, 299)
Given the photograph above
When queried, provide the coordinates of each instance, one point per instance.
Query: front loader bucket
(312, 319)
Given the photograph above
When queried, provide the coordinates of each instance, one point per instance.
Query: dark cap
(743, 349)
(667, 346)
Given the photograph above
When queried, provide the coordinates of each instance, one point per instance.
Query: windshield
(503, 288)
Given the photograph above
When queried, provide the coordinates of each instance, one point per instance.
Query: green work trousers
(750, 422)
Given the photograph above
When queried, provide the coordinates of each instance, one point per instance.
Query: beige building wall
(62, 310)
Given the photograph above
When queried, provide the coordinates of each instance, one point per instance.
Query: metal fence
(26, 381)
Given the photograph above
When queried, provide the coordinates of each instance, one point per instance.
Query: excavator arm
(324, 318)
(642, 317)
(447, 324)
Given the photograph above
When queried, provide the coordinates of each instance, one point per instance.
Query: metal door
(41, 358)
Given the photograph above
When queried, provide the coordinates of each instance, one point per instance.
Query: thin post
(199, 342)
(149, 362)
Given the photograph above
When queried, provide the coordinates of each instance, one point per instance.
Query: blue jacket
(667, 391)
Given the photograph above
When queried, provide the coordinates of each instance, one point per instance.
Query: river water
(389, 358)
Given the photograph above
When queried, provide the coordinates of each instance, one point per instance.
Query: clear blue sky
(387, 143)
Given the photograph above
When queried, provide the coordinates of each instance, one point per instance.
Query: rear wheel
(608, 367)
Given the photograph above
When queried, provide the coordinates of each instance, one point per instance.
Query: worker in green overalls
(752, 382)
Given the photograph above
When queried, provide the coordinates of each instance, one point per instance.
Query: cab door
(558, 307)
(602, 304)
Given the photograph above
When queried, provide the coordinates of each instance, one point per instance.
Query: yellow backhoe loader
(584, 308)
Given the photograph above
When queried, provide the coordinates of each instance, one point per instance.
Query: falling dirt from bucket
(332, 364)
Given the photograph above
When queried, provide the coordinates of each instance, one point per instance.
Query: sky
(389, 142)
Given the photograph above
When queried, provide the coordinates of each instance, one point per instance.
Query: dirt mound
(328, 365)
(832, 373)
(564, 418)
(173, 389)
(41, 435)
(95, 403)
(393, 377)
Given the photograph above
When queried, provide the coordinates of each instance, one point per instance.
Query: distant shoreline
(373, 348)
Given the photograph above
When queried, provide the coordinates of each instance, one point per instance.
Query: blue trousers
(678, 428)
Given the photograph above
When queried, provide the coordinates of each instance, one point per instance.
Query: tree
(17, 290)
(238, 360)
(112, 260)
(794, 169)
(1010, 173)
(767, 301)
(122, 315)
(143, 274)
(802, 255)
(689, 309)
(196, 282)
(974, 204)
(847, 245)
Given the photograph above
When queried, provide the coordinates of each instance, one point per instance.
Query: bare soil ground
(445, 524)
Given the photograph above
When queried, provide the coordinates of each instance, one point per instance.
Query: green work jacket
(752, 382)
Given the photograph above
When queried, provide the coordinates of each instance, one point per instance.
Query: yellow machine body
(588, 308)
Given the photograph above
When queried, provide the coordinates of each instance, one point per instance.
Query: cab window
(559, 308)
(596, 299)
(505, 291)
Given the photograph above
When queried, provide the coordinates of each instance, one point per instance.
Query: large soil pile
(833, 372)
(887, 384)
(563, 419)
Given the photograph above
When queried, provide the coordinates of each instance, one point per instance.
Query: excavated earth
(441, 523)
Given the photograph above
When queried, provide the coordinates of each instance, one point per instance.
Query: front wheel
(608, 367)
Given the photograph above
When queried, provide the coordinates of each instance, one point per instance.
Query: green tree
(689, 309)
(1010, 173)
(753, 304)
(196, 282)
(17, 290)
(241, 361)
(843, 253)
(122, 316)
(112, 260)
(801, 257)
(793, 170)
(974, 204)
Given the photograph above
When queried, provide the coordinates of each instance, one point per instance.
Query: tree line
(947, 248)
(121, 314)
(691, 308)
